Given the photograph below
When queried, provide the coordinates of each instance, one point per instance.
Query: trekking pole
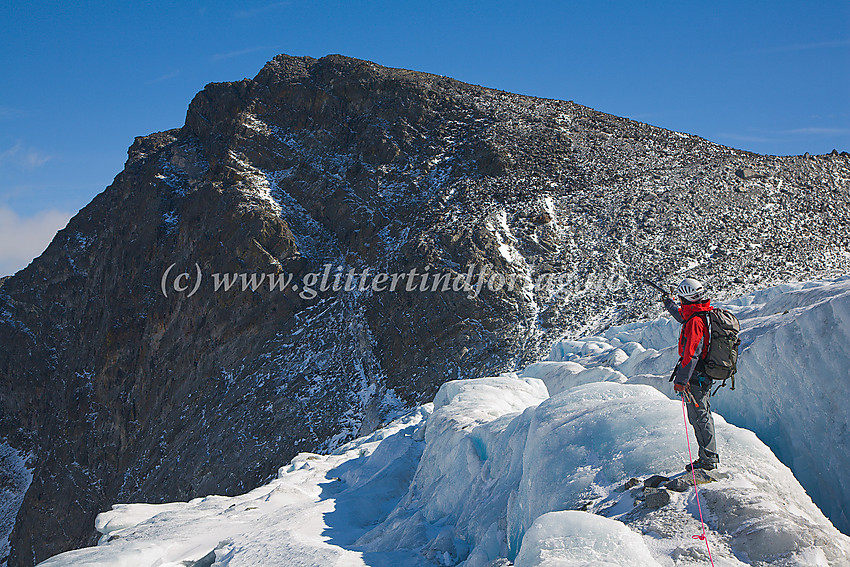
(701, 536)
(656, 286)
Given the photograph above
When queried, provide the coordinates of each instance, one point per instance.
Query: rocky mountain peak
(124, 393)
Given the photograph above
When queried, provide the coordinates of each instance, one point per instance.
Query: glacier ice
(580, 539)
(793, 369)
(530, 467)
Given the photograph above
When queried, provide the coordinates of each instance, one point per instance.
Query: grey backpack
(721, 360)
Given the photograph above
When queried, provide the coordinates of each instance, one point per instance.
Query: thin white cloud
(819, 131)
(25, 157)
(11, 152)
(165, 77)
(9, 112)
(239, 52)
(24, 238)
(772, 136)
(8, 155)
(34, 158)
(807, 46)
(251, 12)
(834, 116)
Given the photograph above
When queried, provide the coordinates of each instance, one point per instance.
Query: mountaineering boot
(701, 464)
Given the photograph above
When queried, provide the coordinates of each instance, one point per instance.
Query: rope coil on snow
(696, 491)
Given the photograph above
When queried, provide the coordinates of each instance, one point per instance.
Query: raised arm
(673, 307)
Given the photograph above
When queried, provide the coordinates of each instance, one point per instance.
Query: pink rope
(694, 475)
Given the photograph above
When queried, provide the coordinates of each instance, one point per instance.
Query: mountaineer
(689, 378)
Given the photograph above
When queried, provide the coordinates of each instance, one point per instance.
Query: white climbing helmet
(691, 290)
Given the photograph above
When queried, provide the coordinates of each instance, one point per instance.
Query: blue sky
(82, 79)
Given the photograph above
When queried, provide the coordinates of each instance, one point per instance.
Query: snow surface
(530, 468)
(580, 539)
(309, 515)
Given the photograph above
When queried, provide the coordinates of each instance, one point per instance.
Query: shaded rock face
(123, 394)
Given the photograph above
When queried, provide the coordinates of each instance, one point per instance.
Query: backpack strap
(721, 385)
(675, 369)
(707, 320)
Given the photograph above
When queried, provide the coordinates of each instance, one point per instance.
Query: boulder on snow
(631, 483)
(685, 482)
(655, 481)
(205, 561)
(656, 497)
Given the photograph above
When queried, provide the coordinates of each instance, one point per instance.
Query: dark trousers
(702, 420)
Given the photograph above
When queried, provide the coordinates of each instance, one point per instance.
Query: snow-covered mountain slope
(534, 469)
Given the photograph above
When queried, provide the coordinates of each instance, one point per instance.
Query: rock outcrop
(122, 394)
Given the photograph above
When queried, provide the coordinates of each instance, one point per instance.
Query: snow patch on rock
(15, 480)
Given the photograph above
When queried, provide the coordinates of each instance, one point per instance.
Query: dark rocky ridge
(125, 395)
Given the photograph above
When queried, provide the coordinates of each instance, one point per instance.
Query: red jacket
(693, 339)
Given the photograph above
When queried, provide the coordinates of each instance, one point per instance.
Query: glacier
(533, 467)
